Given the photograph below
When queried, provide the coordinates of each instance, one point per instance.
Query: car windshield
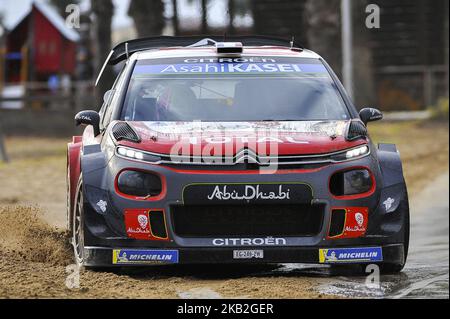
(232, 89)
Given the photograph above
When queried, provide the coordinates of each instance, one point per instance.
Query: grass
(423, 146)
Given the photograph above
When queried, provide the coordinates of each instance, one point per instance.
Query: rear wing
(123, 50)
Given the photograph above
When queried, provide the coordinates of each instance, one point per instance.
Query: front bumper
(106, 231)
(103, 256)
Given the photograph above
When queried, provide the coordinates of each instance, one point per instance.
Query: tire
(78, 226)
(69, 220)
(396, 268)
(77, 231)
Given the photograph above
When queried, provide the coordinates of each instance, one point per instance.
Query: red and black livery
(161, 176)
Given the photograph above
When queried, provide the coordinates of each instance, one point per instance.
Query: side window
(107, 109)
(107, 98)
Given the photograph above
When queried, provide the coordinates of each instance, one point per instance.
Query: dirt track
(34, 250)
(33, 260)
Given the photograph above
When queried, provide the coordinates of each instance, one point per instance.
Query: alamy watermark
(373, 17)
(373, 277)
(73, 17)
(73, 276)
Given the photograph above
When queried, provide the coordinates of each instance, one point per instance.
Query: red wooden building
(40, 46)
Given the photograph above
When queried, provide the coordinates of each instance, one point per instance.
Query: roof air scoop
(356, 130)
(123, 131)
(229, 47)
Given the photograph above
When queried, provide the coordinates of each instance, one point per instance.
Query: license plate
(248, 254)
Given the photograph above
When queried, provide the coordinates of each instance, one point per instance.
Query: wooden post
(2, 67)
(3, 155)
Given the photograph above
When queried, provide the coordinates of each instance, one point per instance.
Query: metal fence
(411, 88)
(40, 95)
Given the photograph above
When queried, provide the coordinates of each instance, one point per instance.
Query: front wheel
(78, 227)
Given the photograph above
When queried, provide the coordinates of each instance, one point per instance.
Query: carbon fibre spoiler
(123, 50)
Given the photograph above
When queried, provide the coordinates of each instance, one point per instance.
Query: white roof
(55, 19)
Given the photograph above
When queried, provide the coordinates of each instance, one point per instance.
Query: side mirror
(370, 115)
(89, 118)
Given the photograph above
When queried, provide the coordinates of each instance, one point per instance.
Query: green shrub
(440, 111)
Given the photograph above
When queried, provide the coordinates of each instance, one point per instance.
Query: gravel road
(34, 257)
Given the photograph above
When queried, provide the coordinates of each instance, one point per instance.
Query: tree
(283, 18)
(236, 8)
(204, 16)
(323, 20)
(148, 16)
(231, 16)
(363, 72)
(175, 19)
(61, 5)
(204, 27)
(103, 11)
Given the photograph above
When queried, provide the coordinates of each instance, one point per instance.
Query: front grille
(246, 167)
(247, 220)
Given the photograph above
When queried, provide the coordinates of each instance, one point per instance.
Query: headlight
(138, 155)
(354, 153)
(363, 150)
(139, 184)
(354, 182)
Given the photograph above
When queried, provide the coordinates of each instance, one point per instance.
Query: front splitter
(104, 256)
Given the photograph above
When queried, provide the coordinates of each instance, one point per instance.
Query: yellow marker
(115, 256)
(322, 255)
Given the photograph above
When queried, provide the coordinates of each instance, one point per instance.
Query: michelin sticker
(350, 255)
(132, 256)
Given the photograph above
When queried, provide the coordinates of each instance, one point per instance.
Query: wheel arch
(73, 174)
(391, 166)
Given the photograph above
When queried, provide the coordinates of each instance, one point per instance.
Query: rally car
(232, 150)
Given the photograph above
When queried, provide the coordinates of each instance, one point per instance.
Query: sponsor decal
(248, 254)
(130, 256)
(359, 219)
(356, 221)
(137, 225)
(230, 68)
(143, 221)
(250, 193)
(102, 205)
(388, 203)
(231, 60)
(268, 241)
(292, 193)
(350, 255)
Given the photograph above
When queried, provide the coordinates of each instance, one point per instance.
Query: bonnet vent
(122, 131)
(356, 130)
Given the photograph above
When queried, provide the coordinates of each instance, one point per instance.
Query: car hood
(228, 138)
